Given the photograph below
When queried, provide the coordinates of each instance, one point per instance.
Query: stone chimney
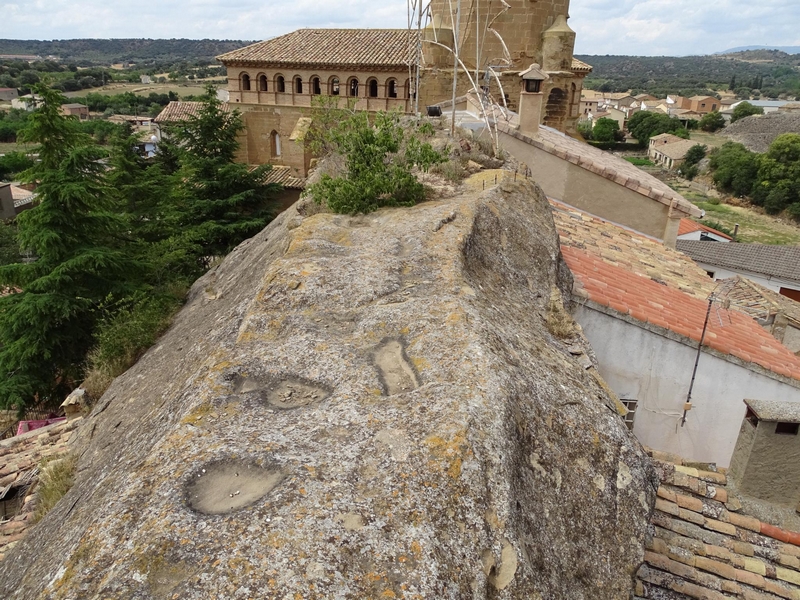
(530, 100)
(766, 461)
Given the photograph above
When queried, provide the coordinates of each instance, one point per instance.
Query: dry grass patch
(56, 476)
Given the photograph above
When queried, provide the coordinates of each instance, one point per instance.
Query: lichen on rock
(453, 450)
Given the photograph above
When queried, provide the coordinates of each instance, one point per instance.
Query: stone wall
(521, 29)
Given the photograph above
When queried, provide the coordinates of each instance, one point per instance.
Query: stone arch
(352, 87)
(280, 84)
(314, 86)
(298, 84)
(333, 85)
(275, 144)
(245, 85)
(372, 87)
(391, 88)
(262, 83)
(556, 108)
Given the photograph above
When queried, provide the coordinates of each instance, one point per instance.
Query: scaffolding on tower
(419, 15)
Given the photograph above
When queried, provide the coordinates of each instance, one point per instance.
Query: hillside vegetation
(773, 73)
(106, 52)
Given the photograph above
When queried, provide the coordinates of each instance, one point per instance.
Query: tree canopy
(644, 124)
(115, 240)
(745, 109)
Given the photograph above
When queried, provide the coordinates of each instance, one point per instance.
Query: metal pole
(455, 66)
(697, 360)
(419, 56)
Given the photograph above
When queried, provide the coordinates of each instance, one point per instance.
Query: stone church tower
(533, 31)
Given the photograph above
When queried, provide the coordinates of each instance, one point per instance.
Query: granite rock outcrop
(358, 407)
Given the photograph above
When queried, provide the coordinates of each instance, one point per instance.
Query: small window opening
(315, 89)
(392, 88)
(787, 428)
(751, 417)
(275, 140)
(245, 82)
(298, 85)
(281, 84)
(335, 86)
(373, 88)
(630, 404)
(262, 83)
(710, 274)
(354, 88)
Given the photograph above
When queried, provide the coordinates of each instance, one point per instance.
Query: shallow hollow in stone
(284, 393)
(228, 485)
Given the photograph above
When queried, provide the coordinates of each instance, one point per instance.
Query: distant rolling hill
(109, 51)
(787, 49)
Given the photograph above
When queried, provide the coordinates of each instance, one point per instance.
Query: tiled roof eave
(682, 339)
(264, 64)
(675, 203)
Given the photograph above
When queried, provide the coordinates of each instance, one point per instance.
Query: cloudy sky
(643, 27)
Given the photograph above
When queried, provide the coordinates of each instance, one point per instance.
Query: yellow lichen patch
(416, 548)
(420, 363)
(197, 414)
(450, 451)
(454, 318)
(404, 331)
(388, 594)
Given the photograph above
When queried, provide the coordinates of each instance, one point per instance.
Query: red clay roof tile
(729, 331)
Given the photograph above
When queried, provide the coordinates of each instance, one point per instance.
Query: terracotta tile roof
(668, 138)
(387, 48)
(676, 150)
(773, 261)
(605, 165)
(630, 250)
(729, 331)
(689, 226)
(177, 111)
(760, 302)
(703, 545)
(19, 472)
(579, 65)
(285, 176)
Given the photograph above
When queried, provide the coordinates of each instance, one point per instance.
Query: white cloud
(651, 27)
(682, 27)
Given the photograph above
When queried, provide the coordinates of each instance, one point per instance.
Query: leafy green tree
(585, 129)
(46, 324)
(745, 109)
(778, 179)
(645, 124)
(605, 130)
(694, 154)
(712, 121)
(735, 168)
(379, 161)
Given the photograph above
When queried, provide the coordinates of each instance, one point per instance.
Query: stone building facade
(274, 82)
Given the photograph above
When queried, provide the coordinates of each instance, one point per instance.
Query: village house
(8, 94)
(13, 200)
(709, 538)
(692, 230)
(643, 307)
(75, 110)
(672, 155)
(775, 267)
